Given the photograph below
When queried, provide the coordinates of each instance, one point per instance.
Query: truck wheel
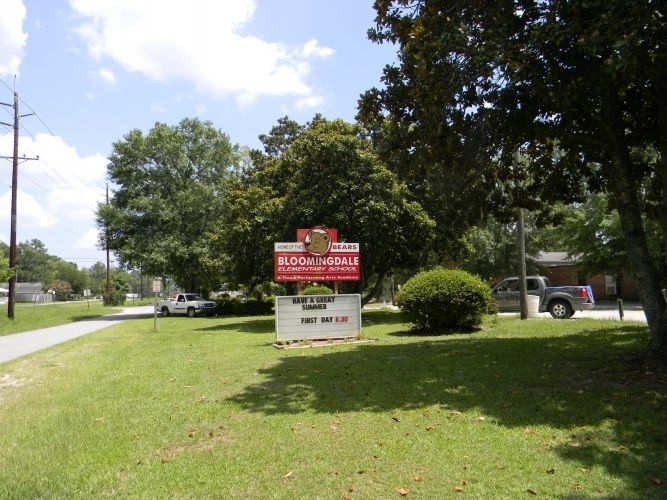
(560, 309)
(165, 311)
(191, 312)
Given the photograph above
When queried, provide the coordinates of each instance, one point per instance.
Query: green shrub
(115, 298)
(317, 290)
(444, 299)
(239, 307)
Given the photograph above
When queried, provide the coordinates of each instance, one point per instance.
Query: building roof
(25, 287)
(555, 259)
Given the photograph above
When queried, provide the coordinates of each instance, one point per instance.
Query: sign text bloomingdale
(317, 256)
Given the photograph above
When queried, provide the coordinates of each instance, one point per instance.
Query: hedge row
(238, 307)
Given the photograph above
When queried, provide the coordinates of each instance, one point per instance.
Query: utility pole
(15, 173)
(106, 243)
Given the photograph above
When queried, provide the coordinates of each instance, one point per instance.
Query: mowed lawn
(207, 408)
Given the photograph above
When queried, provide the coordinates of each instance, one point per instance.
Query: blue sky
(92, 70)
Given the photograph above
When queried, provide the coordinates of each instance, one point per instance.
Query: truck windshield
(191, 296)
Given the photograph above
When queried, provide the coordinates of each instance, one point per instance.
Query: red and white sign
(293, 263)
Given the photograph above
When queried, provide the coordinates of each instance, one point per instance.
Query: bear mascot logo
(317, 241)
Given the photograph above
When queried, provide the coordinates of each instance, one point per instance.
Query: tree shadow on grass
(268, 325)
(580, 381)
(252, 325)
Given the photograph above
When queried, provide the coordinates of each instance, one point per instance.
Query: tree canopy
(168, 199)
(576, 87)
(323, 174)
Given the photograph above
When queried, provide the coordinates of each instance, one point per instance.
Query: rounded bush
(444, 299)
(317, 290)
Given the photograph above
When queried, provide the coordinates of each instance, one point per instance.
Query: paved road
(19, 344)
(631, 312)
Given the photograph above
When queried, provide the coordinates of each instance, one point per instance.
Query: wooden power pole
(15, 173)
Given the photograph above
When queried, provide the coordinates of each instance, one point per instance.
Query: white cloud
(88, 241)
(313, 48)
(206, 45)
(309, 102)
(61, 186)
(12, 37)
(107, 76)
(31, 213)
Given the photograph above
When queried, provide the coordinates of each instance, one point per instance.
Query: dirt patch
(307, 344)
(7, 380)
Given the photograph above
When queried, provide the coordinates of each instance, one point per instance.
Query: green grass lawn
(206, 408)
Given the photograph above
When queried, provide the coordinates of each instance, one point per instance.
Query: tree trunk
(642, 266)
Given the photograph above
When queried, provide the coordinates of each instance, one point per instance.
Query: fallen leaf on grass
(418, 478)
(657, 481)
(288, 475)
(193, 433)
(583, 470)
(403, 492)
(429, 427)
(459, 489)
(531, 491)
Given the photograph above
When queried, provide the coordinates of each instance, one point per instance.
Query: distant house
(562, 270)
(30, 292)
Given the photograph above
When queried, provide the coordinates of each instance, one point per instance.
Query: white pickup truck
(190, 304)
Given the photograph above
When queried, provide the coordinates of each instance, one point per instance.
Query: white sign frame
(318, 317)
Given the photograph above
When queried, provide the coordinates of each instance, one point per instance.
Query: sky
(87, 72)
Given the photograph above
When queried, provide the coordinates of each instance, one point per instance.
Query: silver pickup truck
(560, 301)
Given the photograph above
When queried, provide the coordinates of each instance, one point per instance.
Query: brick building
(562, 270)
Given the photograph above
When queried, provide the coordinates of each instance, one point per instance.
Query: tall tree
(168, 200)
(33, 261)
(5, 271)
(97, 274)
(577, 86)
(326, 174)
(59, 270)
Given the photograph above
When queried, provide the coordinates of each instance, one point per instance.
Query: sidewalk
(19, 344)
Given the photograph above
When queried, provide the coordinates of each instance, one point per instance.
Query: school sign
(316, 256)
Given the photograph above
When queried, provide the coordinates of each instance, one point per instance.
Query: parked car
(560, 301)
(190, 304)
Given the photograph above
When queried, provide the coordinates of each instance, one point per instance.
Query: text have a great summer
(310, 303)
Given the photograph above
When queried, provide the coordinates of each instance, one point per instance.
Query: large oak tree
(577, 87)
(167, 201)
